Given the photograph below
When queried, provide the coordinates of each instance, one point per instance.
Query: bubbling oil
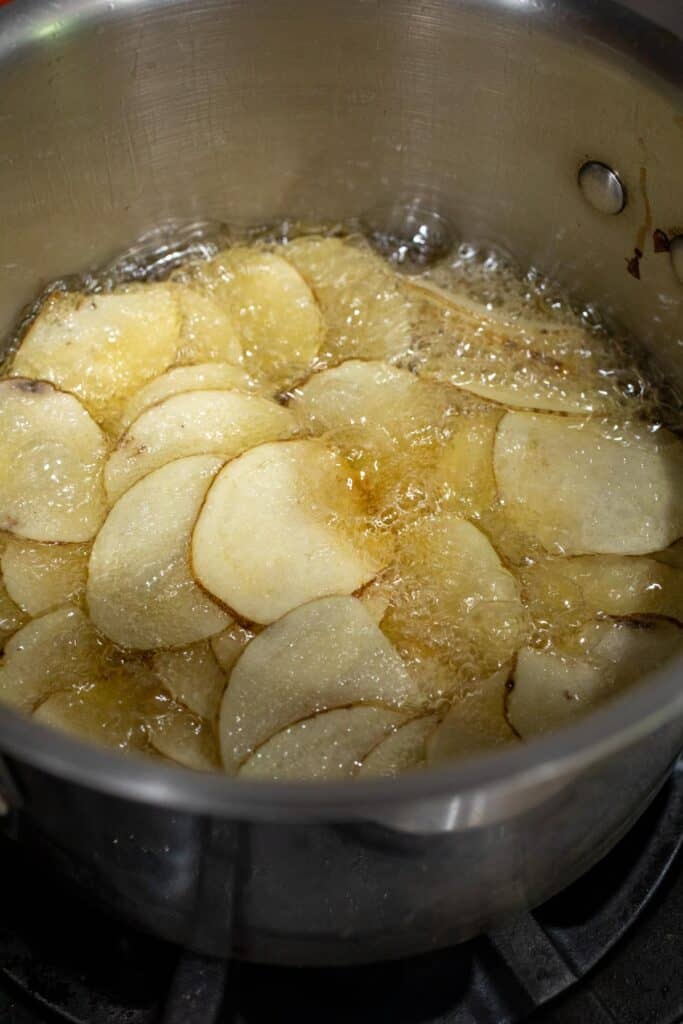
(462, 343)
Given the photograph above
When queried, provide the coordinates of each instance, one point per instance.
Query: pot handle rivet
(602, 187)
(676, 253)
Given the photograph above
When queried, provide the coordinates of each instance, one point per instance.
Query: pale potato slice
(330, 745)
(208, 331)
(561, 592)
(324, 655)
(39, 577)
(198, 377)
(367, 315)
(672, 555)
(553, 689)
(454, 602)
(51, 459)
(57, 650)
(277, 318)
(193, 677)
(402, 750)
(463, 474)
(186, 739)
(475, 721)
(113, 710)
(388, 422)
(194, 423)
(584, 486)
(11, 616)
(229, 644)
(520, 363)
(629, 648)
(283, 524)
(102, 347)
(140, 591)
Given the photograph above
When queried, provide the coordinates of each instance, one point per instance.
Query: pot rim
(649, 51)
(652, 703)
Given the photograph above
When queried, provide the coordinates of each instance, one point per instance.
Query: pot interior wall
(118, 117)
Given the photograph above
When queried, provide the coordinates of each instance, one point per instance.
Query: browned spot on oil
(646, 227)
(660, 240)
(633, 263)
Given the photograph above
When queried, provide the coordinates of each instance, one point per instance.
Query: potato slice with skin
(565, 591)
(198, 377)
(386, 420)
(229, 644)
(51, 459)
(330, 745)
(367, 315)
(277, 318)
(520, 363)
(196, 422)
(40, 577)
(11, 616)
(208, 331)
(102, 347)
(57, 650)
(552, 689)
(140, 591)
(113, 710)
(474, 723)
(454, 600)
(326, 654)
(402, 750)
(283, 524)
(186, 739)
(193, 677)
(587, 487)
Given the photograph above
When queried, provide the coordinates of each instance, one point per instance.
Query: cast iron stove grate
(64, 962)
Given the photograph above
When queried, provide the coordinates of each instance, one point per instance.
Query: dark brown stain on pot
(660, 241)
(633, 263)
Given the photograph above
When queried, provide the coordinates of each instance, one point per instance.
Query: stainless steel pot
(118, 116)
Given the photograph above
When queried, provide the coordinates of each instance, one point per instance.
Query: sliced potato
(140, 591)
(521, 363)
(324, 655)
(194, 423)
(463, 474)
(565, 592)
(186, 739)
(365, 311)
(112, 710)
(552, 689)
(629, 648)
(57, 650)
(672, 555)
(402, 750)
(51, 459)
(386, 420)
(454, 602)
(11, 616)
(199, 377)
(283, 524)
(102, 347)
(208, 331)
(585, 487)
(277, 318)
(376, 598)
(475, 721)
(229, 644)
(193, 677)
(330, 745)
(39, 577)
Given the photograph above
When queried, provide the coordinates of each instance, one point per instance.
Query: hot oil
(472, 319)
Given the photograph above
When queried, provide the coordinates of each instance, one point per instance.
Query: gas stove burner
(99, 972)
